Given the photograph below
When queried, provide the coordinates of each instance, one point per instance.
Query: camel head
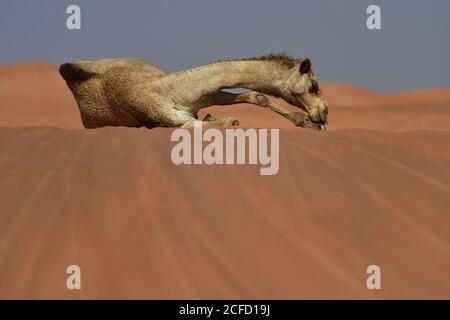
(302, 90)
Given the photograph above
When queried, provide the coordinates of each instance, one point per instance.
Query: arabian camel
(136, 93)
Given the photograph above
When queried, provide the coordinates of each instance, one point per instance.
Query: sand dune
(34, 94)
(111, 201)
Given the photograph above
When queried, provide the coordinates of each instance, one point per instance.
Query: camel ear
(305, 66)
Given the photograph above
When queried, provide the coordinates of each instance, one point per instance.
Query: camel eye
(314, 88)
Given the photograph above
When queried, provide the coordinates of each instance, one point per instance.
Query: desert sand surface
(374, 189)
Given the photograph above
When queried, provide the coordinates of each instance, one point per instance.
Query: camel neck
(193, 84)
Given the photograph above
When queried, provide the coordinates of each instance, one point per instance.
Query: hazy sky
(411, 51)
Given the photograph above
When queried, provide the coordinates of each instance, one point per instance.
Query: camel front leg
(297, 118)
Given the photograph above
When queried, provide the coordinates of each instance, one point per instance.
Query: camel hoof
(209, 117)
(229, 122)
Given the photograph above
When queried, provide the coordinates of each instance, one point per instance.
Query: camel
(137, 93)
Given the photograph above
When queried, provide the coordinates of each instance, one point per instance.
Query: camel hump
(85, 69)
(75, 72)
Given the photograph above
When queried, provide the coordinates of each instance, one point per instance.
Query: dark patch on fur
(71, 72)
(314, 89)
(281, 58)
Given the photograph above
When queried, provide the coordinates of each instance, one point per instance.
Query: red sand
(111, 201)
(35, 95)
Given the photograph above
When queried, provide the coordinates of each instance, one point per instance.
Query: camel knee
(255, 98)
